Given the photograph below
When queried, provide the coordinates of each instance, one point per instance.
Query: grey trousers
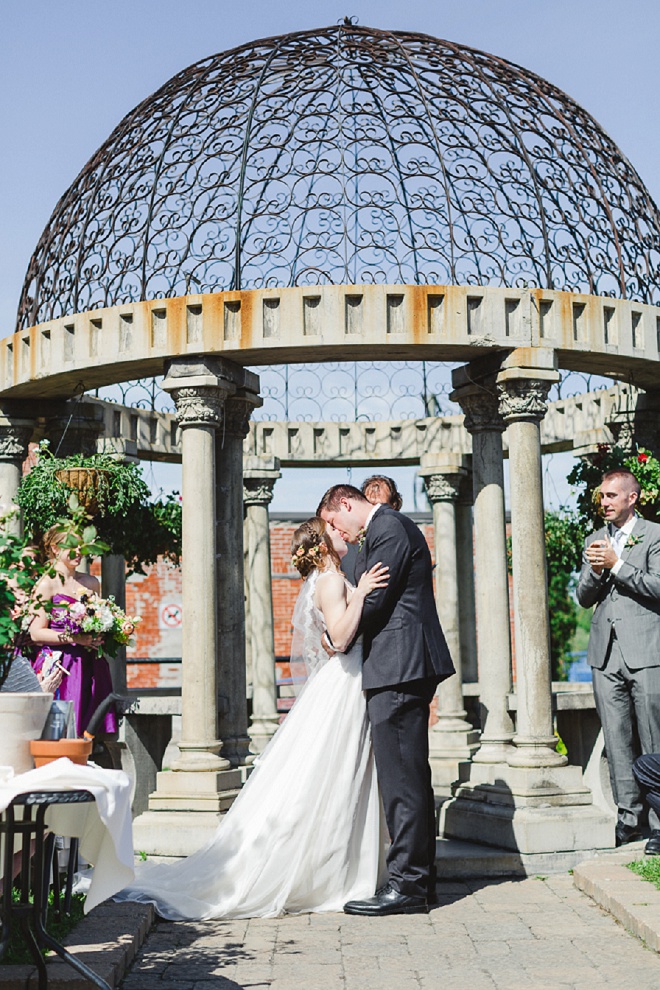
(628, 705)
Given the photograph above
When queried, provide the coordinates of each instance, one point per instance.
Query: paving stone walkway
(531, 934)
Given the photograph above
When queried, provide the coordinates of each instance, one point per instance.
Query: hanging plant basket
(86, 483)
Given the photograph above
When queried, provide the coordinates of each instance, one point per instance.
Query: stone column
(258, 484)
(15, 435)
(518, 798)
(483, 421)
(200, 409)
(523, 394)
(452, 738)
(230, 597)
(189, 799)
(113, 566)
(465, 560)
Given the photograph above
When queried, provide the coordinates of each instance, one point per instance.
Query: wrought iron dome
(348, 155)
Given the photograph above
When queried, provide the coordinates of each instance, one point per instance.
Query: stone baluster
(233, 720)
(259, 477)
(15, 435)
(523, 404)
(452, 738)
(485, 424)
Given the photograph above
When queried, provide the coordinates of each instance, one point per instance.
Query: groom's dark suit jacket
(403, 640)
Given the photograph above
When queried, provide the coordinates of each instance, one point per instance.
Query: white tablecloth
(103, 826)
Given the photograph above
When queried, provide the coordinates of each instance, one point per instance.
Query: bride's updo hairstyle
(310, 546)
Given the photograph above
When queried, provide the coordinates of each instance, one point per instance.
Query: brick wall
(156, 598)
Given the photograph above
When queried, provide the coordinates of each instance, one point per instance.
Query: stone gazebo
(350, 194)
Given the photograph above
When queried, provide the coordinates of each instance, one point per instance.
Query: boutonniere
(633, 540)
(361, 537)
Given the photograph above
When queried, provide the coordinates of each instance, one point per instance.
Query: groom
(405, 656)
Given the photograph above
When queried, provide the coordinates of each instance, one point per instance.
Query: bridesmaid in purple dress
(88, 682)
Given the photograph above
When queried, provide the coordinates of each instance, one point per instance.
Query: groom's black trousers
(399, 719)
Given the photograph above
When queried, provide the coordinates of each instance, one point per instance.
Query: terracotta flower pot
(47, 750)
(86, 483)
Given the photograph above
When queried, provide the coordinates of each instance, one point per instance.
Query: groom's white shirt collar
(371, 515)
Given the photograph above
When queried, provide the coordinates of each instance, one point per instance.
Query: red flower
(642, 458)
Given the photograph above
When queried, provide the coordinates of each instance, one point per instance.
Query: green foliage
(564, 537)
(18, 953)
(648, 869)
(587, 473)
(127, 521)
(19, 572)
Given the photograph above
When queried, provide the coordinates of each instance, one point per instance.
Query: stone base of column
(448, 749)
(262, 731)
(185, 809)
(529, 810)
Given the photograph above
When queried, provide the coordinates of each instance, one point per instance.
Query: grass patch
(648, 869)
(18, 952)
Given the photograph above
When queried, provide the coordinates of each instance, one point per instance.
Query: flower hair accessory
(313, 553)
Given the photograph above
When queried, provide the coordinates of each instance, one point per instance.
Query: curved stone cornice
(597, 334)
(576, 422)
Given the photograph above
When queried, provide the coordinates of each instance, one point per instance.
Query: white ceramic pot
(22, 718)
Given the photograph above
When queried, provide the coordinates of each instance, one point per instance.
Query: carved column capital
(442, 487)
(199, 405)
(237, 414)
(481, 406)
(259, 491)
(14, 441)
(525, 395)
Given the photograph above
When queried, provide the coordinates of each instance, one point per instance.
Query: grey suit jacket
(403, 640)
(629, 599)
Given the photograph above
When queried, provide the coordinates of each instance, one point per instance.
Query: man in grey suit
(405, 656)
(620, 576)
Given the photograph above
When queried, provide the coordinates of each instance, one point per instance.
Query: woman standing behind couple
(306, 833)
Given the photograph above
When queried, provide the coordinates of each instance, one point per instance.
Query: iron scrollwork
(347, 155)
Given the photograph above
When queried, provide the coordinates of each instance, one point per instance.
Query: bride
(305, 833)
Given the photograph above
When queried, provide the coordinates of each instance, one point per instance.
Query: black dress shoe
(388, 900)
(432, 898)
(626, 833)
(652, 847)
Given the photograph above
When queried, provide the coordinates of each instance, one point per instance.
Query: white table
(104, 826)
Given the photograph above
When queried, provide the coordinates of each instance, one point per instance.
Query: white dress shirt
(619, 537)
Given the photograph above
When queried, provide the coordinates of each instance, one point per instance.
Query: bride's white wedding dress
(305, 833)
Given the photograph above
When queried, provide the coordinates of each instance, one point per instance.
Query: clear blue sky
(71, 69)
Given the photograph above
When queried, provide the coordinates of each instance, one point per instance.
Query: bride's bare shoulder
(329, 584)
